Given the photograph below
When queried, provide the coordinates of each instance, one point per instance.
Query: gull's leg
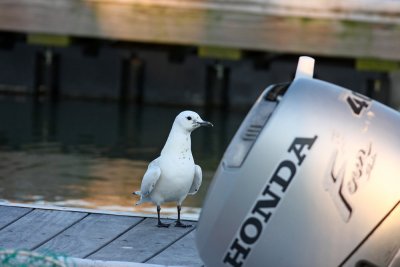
(178, 222)
(160, 224)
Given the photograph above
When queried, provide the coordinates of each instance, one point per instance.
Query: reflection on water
(93, 154)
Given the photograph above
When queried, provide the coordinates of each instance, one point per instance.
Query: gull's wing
(150, 178)
(196, 180)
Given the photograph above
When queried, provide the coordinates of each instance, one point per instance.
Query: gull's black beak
(205, 123)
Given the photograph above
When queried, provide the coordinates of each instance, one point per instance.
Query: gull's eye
(189, 118)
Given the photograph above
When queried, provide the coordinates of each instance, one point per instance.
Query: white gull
(173, 175)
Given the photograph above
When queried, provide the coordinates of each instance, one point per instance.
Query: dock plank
(88, 235)
(10, 214)
(183, 252)
(141, 242)
(37, 227)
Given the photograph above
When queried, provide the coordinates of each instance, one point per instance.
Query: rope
(24, 258)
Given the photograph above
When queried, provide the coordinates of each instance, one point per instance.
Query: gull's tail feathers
(142, 199)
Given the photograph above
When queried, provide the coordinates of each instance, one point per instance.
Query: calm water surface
(94, 154)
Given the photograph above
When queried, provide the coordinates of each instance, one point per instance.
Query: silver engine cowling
(311, 178)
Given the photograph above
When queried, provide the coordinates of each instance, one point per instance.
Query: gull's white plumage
(174, 175)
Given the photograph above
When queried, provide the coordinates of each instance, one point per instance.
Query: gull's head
(190, 120)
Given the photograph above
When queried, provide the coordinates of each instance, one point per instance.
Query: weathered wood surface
(354, 28)
(10, 214)
(140, 244)
(180, 253)
(37, 227)
(91, 235)
(85, 237)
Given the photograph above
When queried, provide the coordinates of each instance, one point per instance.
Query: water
(94, 154)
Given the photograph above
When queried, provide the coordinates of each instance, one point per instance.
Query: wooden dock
(97, 236)
(355, 29)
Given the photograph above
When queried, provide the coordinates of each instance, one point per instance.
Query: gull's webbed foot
(179, 224)
(162, 225)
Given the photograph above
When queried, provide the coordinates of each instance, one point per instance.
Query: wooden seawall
(355, 29)
(96, 236)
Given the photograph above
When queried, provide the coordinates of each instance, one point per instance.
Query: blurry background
(89, 88)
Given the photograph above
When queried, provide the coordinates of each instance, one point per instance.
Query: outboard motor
(311, 178)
